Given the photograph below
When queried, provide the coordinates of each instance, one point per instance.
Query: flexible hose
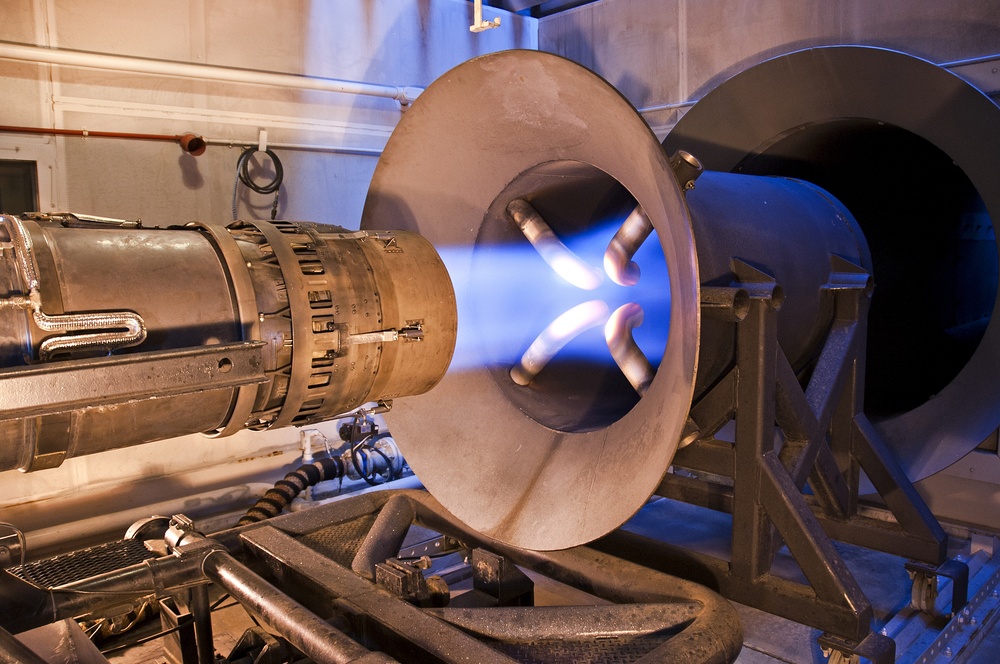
(367, 471)
(243, 175)
(285, 490)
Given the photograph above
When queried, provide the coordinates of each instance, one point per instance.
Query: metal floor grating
(83, 564)
(340, 542)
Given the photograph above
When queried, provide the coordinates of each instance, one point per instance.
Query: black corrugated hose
(285, 490)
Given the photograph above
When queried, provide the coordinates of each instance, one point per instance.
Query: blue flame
(507, 295)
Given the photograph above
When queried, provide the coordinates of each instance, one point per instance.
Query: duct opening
(932, 242)
(574, 383)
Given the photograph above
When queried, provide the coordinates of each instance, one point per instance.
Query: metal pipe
(38, 541)
(385, 538)
(189, 142)
(970, 61)
(560, 258)
(618, 261)
(201, 612)
(117, 588)
(135, 65)
(337, 149)
(629, 357)
(559, 332)
(22, 246)
(134, 328)
(715, 635)
(668, 107)
(303, 628)
(304, 382)
(637, 227)
(133, 334)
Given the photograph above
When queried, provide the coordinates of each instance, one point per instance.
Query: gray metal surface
(303, 629)
(786, 106)
(659, 52)
(658, 617)
(421, 632)
(12, 651)
(789, 229)
(615, 633)
(58, 387)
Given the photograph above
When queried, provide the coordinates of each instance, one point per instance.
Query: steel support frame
(826, 441)
(710, 630)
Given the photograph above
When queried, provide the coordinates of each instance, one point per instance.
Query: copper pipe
(188, 142)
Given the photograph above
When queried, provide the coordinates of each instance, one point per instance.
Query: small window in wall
(18, 186)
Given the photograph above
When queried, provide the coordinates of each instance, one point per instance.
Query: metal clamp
(924, 592)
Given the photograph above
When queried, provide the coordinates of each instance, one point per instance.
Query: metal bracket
(406, 580)
(59, 387)
(478, 23)
(875, 648)
(925, 587)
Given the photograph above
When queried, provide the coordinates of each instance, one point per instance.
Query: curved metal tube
(303, 628)
(618, 256)
(714, 636)
(560, 258)
(630, 358)
(132, 326)
(22, 246)
(134, 332)
(566, 327)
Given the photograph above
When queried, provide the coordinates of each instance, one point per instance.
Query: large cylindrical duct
(523, 196)
(913, 151)
(339, 318)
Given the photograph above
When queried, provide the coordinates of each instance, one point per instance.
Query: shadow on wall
(190, 174)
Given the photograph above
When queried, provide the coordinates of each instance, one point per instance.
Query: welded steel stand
(826, 441)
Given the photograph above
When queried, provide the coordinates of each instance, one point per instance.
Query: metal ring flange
(465, 140)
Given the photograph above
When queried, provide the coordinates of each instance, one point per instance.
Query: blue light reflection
(507, 295)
